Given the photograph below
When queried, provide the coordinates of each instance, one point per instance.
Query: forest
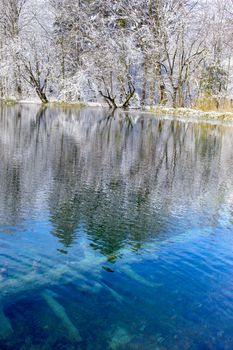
(138, 53)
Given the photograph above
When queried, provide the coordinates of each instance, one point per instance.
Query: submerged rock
(119, 338)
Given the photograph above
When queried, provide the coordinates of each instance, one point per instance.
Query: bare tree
(138, 53)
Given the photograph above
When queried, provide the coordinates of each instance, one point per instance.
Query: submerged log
(66, 272)
(61, 314)
(5, 325)
(136, 277)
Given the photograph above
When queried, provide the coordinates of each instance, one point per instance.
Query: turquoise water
(116, 231)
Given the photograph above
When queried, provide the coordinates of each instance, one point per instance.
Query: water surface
(116, 231)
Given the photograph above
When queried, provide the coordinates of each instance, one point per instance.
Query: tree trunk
(174, 97)
(162, 93)
(111, 100)
(152, 85)
(143, 93)
(42, 96)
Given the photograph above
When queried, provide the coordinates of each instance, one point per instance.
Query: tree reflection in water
(123, 177)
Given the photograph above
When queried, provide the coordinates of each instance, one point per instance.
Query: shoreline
(194, 113)
(177, 113)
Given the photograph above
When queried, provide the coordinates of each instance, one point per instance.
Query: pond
(116, 231)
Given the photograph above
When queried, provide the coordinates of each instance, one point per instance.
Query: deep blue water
(116, 231)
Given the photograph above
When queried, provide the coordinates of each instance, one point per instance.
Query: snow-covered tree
(121, 53)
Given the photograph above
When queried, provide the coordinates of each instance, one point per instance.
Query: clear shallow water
(116, 232)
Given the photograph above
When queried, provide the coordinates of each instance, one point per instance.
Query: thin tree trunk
(174, 97)
(152, 85)
(143, 94)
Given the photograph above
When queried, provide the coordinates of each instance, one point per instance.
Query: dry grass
(65, 104)
(210, 104)
(193, 113)
(8, 101)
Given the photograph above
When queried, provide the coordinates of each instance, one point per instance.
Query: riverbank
(192, 113)
(159, 110)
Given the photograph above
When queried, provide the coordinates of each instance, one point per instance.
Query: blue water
(116, 231)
